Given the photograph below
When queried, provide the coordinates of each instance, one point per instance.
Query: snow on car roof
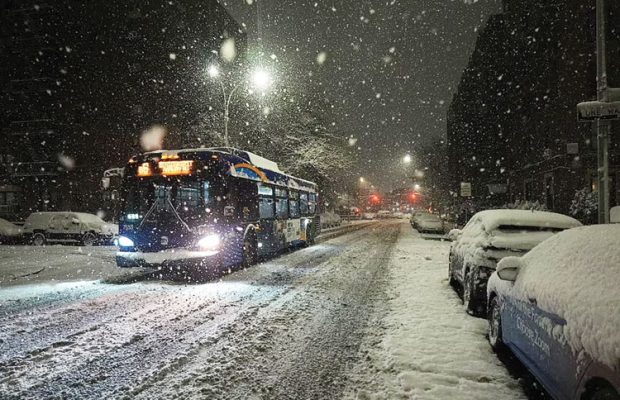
(576, 275)
(493, 219)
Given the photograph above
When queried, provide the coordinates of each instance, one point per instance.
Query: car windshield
(309, 199)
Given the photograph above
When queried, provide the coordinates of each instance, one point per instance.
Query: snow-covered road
(364, 315)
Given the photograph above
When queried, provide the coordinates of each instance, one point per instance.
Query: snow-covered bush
(525, 205)
(584, 206)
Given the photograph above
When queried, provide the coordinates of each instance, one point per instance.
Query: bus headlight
(210, 242)
(124, 241)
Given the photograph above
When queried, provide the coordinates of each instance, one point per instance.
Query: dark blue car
(558, 310)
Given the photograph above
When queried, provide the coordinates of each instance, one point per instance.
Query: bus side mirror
(229, 211)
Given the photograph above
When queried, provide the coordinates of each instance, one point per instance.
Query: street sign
(465, 189)
(593, 110)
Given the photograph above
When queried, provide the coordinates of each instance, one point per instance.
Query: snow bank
(576, 275)
(431, 348)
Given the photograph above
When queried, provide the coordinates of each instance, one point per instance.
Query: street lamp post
(261, 79)
(602, 127)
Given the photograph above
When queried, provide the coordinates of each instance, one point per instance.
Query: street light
(260, 78)
(213, 71)
(417, 187)
(407, 159)
(362, 180)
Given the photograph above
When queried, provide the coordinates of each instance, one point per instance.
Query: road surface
(310, 324)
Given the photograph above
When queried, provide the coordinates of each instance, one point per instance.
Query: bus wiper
(176, 214)
(148, 213)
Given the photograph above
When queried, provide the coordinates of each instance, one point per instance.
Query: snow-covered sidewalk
(430, 348)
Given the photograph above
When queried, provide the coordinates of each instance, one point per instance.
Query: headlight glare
(209, 242)
(124, 241)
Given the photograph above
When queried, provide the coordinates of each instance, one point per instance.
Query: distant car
(9, 233)
(557, 309)
(490, 236)
(67, 227)
(427, 223)
(384, 214)
(369, 215)
(330, 219)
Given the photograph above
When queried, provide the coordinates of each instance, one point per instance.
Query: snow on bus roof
(254, 159)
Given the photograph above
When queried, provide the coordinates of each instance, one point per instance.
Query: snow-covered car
(9, 232)
(330, 219)
(369, 215)
(427, 223)
(490, 236)
(384, 214)
(557, 309)
(67, 227)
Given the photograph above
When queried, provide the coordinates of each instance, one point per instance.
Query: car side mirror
(454, 234)
(508, 268)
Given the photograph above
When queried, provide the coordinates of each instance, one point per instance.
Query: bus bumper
(128, 259)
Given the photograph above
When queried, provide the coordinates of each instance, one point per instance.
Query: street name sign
(593, 110)
(465, 189)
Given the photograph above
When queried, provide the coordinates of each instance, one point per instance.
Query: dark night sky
(390, 70)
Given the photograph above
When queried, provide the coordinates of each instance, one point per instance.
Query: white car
(67, 227)
(330, 219)
(427, 223)
(490, 236)
(9, 233)
(557, 309)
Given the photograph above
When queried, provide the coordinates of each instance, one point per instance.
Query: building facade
(80, 80)
(512, 126)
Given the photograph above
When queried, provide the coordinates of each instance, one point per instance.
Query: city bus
(215, 207)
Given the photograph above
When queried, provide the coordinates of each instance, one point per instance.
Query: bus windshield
(189, 197)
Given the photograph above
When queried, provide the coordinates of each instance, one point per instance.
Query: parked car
(557, 309)
(67, 227)
(384, 214)
(427, 223)
(490, 236)
(9, 233)
(369, 215)
(330, 219)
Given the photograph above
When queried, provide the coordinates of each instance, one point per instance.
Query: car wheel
(38, 239)
(451, 281)
(602, 391)
(495, 325)
(471, 303)
(88, 239)
(250, 251)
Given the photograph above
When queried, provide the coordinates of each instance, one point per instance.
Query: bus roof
(273, 174)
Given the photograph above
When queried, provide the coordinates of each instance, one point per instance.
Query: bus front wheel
(250, 251)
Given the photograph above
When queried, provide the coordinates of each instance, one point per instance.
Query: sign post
(606, 108)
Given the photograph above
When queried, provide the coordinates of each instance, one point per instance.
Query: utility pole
(602, 125)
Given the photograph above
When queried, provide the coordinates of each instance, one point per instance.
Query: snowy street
(365, 315)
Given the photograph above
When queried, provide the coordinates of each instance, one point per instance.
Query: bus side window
(293, 203)
(281, 203)
(303, 203)
(312, 203)
(266, 203)
(247, 200)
